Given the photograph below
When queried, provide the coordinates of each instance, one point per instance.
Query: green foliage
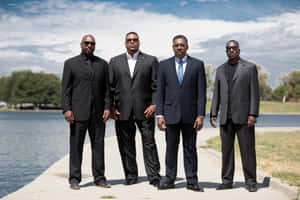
(28, 87)
(265, 91)
(291, 83)
(278, 93)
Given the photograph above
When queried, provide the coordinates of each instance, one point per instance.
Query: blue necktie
(180, 72)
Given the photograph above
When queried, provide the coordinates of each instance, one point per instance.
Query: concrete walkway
(53, 183)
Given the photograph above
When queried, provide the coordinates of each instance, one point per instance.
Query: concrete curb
(275, 183)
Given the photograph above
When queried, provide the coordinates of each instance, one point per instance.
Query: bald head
(88, 44)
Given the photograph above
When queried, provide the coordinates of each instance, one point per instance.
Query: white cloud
(53, 33)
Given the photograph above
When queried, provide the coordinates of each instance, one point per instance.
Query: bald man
(86, 105)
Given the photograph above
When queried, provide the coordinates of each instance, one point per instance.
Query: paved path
(53, 184)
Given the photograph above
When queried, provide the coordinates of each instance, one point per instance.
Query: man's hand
(198, 123)
(161, 123)
(150, 111)
(105, 116)
(251, 120)
(114, 114)
(69, 117)
(213, 122)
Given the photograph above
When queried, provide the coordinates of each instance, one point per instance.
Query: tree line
(29, 87)
(40, 88)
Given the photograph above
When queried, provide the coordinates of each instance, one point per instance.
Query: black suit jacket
(133, 94)
(80, 83)
(244, 93)
(181, 102)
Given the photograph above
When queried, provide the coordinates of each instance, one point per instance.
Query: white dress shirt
(132, 61)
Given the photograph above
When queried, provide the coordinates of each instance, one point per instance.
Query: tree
(291, 83)
(28, 87)
(278, 93)
(265, 91)
(210, 75)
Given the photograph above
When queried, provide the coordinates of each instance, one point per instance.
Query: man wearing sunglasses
(133, 86)
(86, 106)
(236, 90)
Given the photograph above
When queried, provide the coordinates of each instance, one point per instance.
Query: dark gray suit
(241, 96)
(131, 97)
(181, 104)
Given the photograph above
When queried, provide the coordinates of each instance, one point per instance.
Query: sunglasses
(86, 43)
(132, 39)
(231, 47)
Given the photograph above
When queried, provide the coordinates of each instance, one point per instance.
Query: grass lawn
(272, 107)
(278, 107)
(277, 153)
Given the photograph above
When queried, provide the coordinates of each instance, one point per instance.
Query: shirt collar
(184, 59)
(85, 57)
(134, 55)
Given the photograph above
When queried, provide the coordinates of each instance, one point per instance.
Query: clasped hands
(198, 124)
(149, 112)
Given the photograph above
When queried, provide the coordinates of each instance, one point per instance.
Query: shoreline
(60, 111)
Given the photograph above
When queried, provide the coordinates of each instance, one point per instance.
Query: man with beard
(86, 106)
(133, 86)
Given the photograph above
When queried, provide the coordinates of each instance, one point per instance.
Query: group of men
(134, 87)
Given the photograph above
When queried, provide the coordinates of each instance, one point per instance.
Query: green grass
(108, 197)
(272, 107)
(277, 153)
(278, 107)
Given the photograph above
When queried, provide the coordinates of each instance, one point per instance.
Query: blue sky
(40, 35)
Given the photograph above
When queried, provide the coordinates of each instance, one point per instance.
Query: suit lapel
(224, 75)
(138, 64)
(126, 66)
(187, 69)
(173, 69)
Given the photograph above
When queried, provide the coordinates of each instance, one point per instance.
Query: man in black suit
(86, 106)
(181, 100)
(133, 86)
(237, 91)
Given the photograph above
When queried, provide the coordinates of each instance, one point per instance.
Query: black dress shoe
(194, 187)
(252, 188)
(165, 186)
(74, 186)
(102, 183)
(224, 186)
(155, 182)
(130, 181)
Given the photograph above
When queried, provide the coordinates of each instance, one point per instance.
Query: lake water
(32, 142)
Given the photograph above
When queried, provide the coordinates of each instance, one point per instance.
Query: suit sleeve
(201, 91)
(107, 97)
(154, 79)
(254, 93)
(216, 98)
(160, 93)
(66, 92)
(112, 83)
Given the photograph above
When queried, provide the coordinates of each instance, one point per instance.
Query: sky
(41, 34)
